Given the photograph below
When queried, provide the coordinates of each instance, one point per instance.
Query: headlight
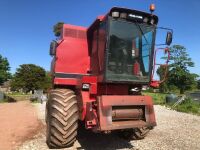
(145, 20)
(115, 14)
(152, 21)
(85, 86)
(123, 15)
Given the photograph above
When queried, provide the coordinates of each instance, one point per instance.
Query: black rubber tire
(61, 118)
(135, 134)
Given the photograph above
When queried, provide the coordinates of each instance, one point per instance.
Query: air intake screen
(75, 33)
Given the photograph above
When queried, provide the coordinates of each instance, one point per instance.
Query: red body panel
(105, 104)
(66, 81)
(71, 54)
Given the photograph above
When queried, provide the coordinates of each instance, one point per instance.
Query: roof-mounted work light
(115, 14)
(152, 8)
(123, 15)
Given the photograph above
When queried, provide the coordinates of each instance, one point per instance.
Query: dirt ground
(18, 123)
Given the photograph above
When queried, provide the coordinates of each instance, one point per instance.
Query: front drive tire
(61, 118)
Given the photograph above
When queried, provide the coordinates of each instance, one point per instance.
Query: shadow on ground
(99, 141)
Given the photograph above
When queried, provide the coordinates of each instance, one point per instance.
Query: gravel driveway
(175, 131)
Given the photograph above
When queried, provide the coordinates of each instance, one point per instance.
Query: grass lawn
(16, 96)
(4, 101)
(187, 106)
(158, 98)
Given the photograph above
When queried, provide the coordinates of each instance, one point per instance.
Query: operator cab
(122, 46)
(130, 47)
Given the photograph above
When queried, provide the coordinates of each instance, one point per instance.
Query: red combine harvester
(98, 73)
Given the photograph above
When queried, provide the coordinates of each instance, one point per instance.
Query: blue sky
(26, 25)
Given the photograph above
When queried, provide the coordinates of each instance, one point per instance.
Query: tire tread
(62, 118)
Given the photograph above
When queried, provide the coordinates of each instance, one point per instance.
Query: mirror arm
(160, 44)
(164, 28)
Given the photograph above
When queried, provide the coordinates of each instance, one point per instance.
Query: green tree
(29, 77)
(57, 28)
(198, 84)
(179, 74)
(161, 71)
(4, 70)
(182, 79)
(48, 81)
(180, 58)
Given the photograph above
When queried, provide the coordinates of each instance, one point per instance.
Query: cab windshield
(129, 52)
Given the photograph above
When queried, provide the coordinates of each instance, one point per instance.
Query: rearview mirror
(53, 47)
(168, 38)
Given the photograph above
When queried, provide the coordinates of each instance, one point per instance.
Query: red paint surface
(105, 104)
(66, 81)
(136, 68)
(72, 51)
